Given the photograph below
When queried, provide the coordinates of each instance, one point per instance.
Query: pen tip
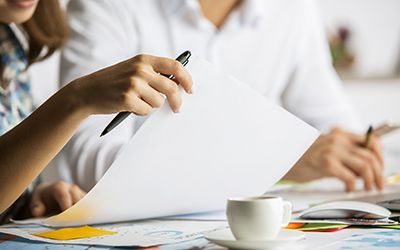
(370, 129)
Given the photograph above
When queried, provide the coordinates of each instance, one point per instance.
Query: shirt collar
(188, 10)
(251, 12)
(173, 7)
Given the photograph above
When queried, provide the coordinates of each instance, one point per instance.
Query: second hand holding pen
(182, 58)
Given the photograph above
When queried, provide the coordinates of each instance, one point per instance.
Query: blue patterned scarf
(16, 101)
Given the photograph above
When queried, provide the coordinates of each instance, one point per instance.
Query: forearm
(29, 147)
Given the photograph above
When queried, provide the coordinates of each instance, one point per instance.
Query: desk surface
(372, 238)
(351, 238)
(345, 239)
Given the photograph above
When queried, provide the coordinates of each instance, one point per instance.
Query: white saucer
(225, 238)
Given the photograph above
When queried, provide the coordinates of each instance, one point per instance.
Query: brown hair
(48, 28)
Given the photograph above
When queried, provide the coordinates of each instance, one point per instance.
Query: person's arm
(132, 85)
(29, 147)
(316, 95)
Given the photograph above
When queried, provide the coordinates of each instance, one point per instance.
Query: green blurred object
(341, 55)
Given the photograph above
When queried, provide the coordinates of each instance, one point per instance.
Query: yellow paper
(74, 233)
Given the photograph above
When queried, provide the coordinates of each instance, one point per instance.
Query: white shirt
(277, 47)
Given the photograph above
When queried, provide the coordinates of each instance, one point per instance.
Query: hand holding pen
(148, 95)
(343, 155)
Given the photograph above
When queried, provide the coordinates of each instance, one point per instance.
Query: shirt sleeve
(315, 93)
(100, 37)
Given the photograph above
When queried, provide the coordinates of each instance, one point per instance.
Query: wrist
(77, 104)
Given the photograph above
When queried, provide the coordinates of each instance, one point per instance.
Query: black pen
(182, 58)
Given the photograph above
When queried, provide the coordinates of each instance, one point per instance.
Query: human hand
(133, 85)
(48, 198)
(341, 154)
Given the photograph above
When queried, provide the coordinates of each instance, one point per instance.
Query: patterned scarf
(16, 101)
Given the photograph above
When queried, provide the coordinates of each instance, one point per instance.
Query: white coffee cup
(257, 218)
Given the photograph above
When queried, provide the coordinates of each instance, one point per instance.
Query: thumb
(38, 208)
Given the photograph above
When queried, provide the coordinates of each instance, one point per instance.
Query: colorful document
(139, 233)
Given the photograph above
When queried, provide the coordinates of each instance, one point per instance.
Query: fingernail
(176, 111)
(191, 90)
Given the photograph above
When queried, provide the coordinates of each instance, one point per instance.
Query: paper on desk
(322, 241)
(227, 140)
(139, 233)
(383, 239)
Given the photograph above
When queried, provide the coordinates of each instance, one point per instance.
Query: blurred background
(364, 37)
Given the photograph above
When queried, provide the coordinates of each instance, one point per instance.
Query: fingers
(146, 94)
(349, 153)
(67, 195)
(172, 67)
(147, 98)
(374, 163)
(147, 83)
(366, 164)
(131, 85)
(62, 195)
(377, 148)
(379, 180)
(37, 205)
(167, 86)
(58, 196)
(336, 169)
(76, 193)
(141, 107)
(361, 168)
(170, 89)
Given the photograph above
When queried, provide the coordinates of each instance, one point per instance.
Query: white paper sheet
(227, 140)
